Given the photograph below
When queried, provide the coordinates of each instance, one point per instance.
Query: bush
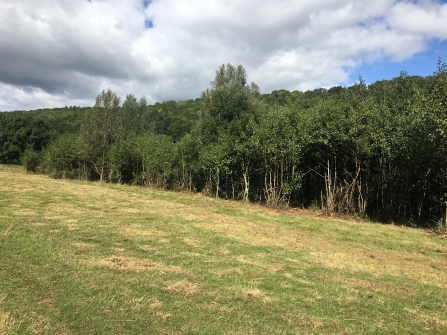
(30, 160)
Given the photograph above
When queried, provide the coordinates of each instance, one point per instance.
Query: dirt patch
(136, 264)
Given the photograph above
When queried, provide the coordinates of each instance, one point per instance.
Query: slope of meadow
(94, 258)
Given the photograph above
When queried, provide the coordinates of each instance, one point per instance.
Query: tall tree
(226, 106)
(100, 130)
(436, 109)
(132, 119)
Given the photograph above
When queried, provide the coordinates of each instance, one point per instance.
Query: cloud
(64, 52)
(425, 18)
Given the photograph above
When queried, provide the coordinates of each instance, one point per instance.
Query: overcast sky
(55, 53)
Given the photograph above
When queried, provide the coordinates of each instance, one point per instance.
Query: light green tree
(226, 108)
(99, 132)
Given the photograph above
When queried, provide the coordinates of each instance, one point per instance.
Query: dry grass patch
(135, 264)
(274, 268)
(83, 246)
(222, 251)
(436, 247)
(434, 321)
(24, 212)
(147, 247)
(137, 231)
(39, 224)
(71, 226)
(129, 210)
(138, 304)
(429, 320)
(164, 316)
(264, 234)
(58, 211)
(270, 268)
(214, 307)
(342, 256)
(156, 304)
(372, 286)
(193, 242)
(183, 287)
(7, 323)
(71, 221)
(255, 294)
(40, 324)
(229, 271)
(392, 263)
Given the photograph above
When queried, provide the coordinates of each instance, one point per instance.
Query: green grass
(94, 258)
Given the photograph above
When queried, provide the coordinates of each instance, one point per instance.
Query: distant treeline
(376, 151)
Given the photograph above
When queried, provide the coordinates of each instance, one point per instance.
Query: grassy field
(94, 258)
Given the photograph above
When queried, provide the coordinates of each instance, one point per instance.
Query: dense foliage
(19, 133)
(375, 151)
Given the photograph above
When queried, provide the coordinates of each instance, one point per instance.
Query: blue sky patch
(421, 64)
(148, 24)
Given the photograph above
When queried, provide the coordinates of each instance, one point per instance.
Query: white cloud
(427, 18)
(64, 52)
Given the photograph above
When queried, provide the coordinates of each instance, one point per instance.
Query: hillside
(96, 258)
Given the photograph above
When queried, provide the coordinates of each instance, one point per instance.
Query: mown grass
(94, 258)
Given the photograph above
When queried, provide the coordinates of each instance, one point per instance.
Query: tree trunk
(217, 182)
(246, 181)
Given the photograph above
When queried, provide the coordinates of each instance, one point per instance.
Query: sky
(56, 53)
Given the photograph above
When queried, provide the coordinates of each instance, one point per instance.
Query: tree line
(377, 151)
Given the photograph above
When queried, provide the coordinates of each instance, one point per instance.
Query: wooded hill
(376, 151)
